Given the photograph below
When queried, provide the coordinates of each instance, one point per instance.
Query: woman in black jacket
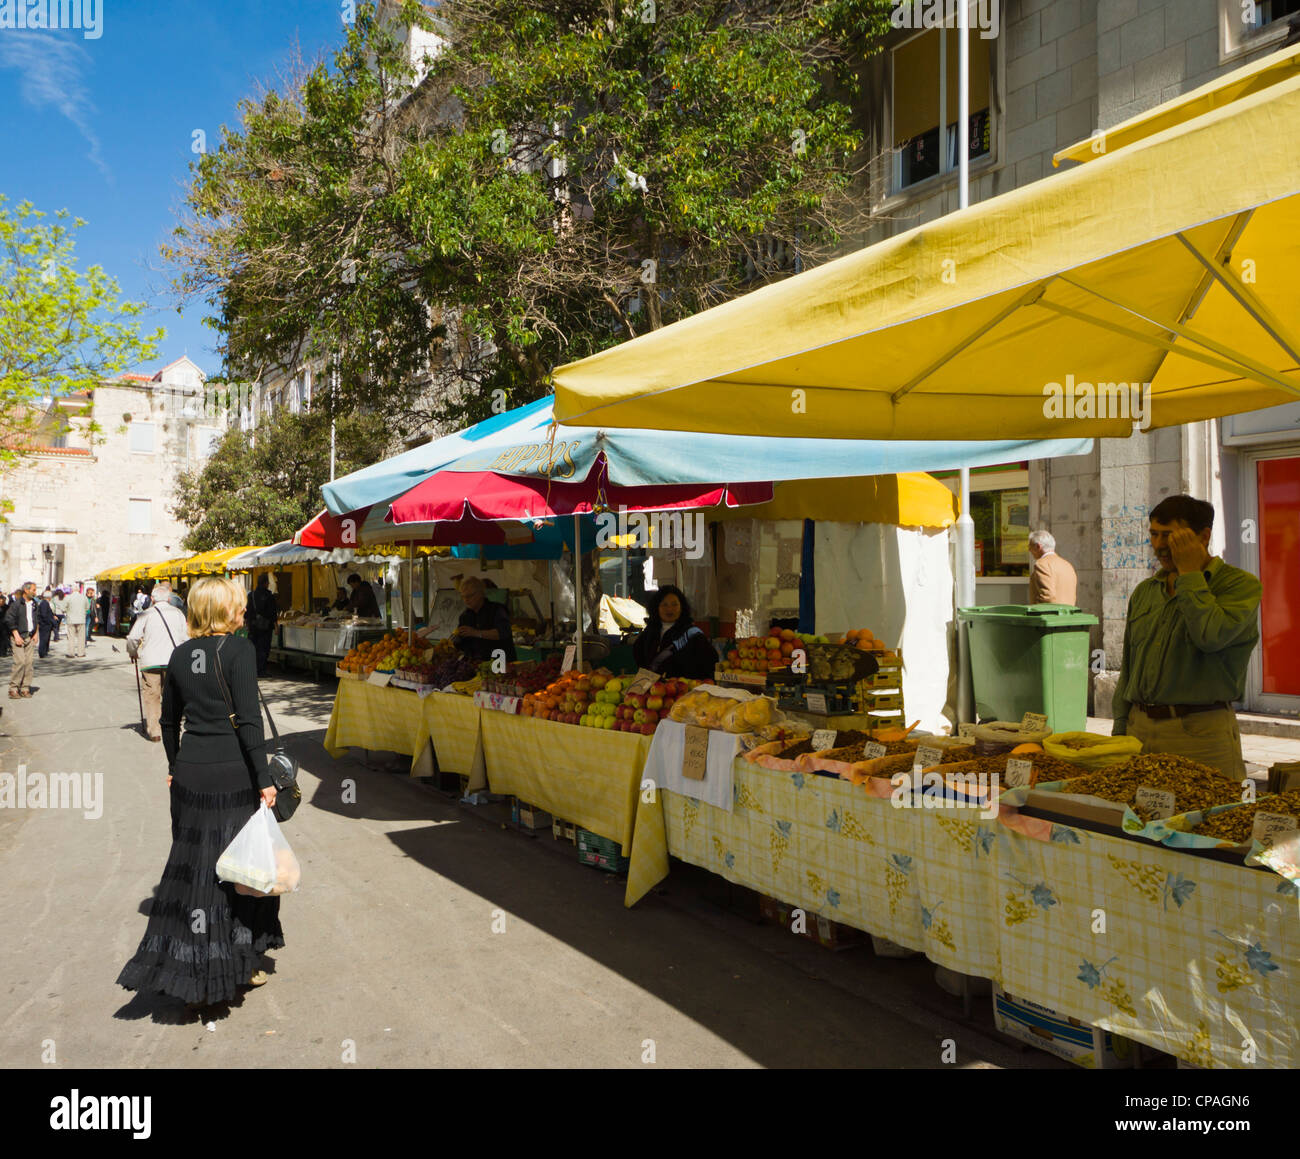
(671, 643)
(217, 777)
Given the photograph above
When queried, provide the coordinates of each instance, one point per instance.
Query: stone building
(83, 503)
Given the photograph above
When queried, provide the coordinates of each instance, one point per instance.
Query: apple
(657, 689)
(669, 701)
(585, 721)
(647, 729)
(608, 722)
(636, 699)
(614, 685)
(733, 657)
(651, 717)
(654, 701)
(639, 716)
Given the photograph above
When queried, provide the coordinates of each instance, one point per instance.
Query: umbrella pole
(577, 585)
(410, 594)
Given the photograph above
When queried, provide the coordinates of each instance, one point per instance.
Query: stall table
(589, 776)
(1186, 954)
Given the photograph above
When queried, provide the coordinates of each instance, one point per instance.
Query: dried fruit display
(1235, 825)
(902, 762)
(1195, 786)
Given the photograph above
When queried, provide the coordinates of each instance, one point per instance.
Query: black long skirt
(204, 941)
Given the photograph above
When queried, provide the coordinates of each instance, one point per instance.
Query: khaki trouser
(1209, 737)
(24, 659)
(151, 694)
(77, 639)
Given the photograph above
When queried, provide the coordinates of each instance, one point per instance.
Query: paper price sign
(1270, 825)
(1157, 802)
(695, 752)
(1033, 722)
(823, 738)
(642, 681)
(872, 751)
(926, 756)
(966, 729)
(380, 679)
(817, 703)
(1019, 773)
(570, 652)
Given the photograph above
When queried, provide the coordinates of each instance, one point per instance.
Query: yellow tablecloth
(1191, 956)
(585, 775)
(380, 719)
(451, 724)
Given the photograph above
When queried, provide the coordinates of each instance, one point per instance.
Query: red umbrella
(329, 531)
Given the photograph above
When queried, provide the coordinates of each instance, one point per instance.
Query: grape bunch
(1017, 910)
(1146, 879)
(851, 827)
(962, 832)
(1232, 975)
(1116, 993)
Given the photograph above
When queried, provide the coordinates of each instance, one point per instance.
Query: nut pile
(1235, 825)
(844, 739)
(1046, 768)
(902, 761)
(1194, 786)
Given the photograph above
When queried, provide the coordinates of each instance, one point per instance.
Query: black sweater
(693, 657)
(191, 693)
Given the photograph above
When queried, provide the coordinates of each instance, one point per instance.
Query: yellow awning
(114, 574)
(212, 562)
(1164, 273)
(168, 569)
(1221, 91)
(910, 500)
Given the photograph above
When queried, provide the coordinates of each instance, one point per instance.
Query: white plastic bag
(259, 860)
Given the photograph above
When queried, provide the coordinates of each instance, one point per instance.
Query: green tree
(61, 331)
(568, 175)
(261, 486)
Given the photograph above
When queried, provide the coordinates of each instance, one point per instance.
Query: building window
(139, 519)
(1250, 27)
(917, 70)
(206, 440)
(142, 438)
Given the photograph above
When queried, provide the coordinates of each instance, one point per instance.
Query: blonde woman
(217, 776)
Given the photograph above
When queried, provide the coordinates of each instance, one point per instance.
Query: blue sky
(103, 126)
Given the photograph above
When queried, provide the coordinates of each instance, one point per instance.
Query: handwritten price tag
(1159, 803)
(1019, 773)
(966, 729)
(926, 756)
(379, 679)
(817, 703)
(872, 751)
(570, 653)
(1033, 722)
(1270, 825)
(823, 738)
(695, 753)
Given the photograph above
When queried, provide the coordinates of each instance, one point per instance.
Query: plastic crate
(601, 852)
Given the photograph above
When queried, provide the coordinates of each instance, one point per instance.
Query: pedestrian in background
(45, 623)
(60, 605)
(260, 616)
(218, 776)
(5, 600)
(92, 611)
(77, 624)
(1052, 580)
(153, 638)
(20, 625)
(105, 606)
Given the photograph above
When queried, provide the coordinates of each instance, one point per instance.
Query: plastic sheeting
(898, 583)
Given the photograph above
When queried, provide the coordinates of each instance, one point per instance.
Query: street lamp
(49, 562)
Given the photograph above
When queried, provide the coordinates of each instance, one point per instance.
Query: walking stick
(139, 695)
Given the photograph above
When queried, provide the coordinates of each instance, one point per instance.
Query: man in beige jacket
(152, 639)
(1052, 579)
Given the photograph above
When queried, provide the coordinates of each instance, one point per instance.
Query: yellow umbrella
(1157, 282)
(166, 570)
(212, 562)
(909, 500)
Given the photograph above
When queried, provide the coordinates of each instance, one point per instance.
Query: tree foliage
(61, 331)
(567, 175)
(261, 486)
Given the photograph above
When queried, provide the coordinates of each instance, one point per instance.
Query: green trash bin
(1030, 658)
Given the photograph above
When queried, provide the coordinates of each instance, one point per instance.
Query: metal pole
(577, 585)
(410, 593)
(965, 578)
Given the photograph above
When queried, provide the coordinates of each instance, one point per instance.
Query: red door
(1279, 553)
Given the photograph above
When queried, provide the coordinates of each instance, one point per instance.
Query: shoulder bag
(284, 769)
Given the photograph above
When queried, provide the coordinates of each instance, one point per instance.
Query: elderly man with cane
(152, 639)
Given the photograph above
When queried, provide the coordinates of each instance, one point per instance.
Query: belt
(1166, 711)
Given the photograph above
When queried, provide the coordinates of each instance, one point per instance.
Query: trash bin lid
(1041, 616)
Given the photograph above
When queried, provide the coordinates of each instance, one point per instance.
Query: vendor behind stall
(672, 644)
(483, 627)
(341, 602)
(362, 601)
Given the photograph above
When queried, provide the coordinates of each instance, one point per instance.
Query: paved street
(390, 941)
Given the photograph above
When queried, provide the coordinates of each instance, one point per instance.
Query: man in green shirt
(1190, 632)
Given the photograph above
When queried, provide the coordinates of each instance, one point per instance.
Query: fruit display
(1236, 825)
(1195, 786)
(705, 710)
(524, 676)
(565, 699)
(638, 711)
(766, 653)
(373, 655)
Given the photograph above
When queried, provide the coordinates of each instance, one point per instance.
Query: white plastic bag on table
(259, 861)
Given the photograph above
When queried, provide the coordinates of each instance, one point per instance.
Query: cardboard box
(1107, 817)
(564, 831)
(528, 816)
(1061, 1035)
(1284, 776)
(822, 930)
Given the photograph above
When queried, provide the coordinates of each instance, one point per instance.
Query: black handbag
(284, 769)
